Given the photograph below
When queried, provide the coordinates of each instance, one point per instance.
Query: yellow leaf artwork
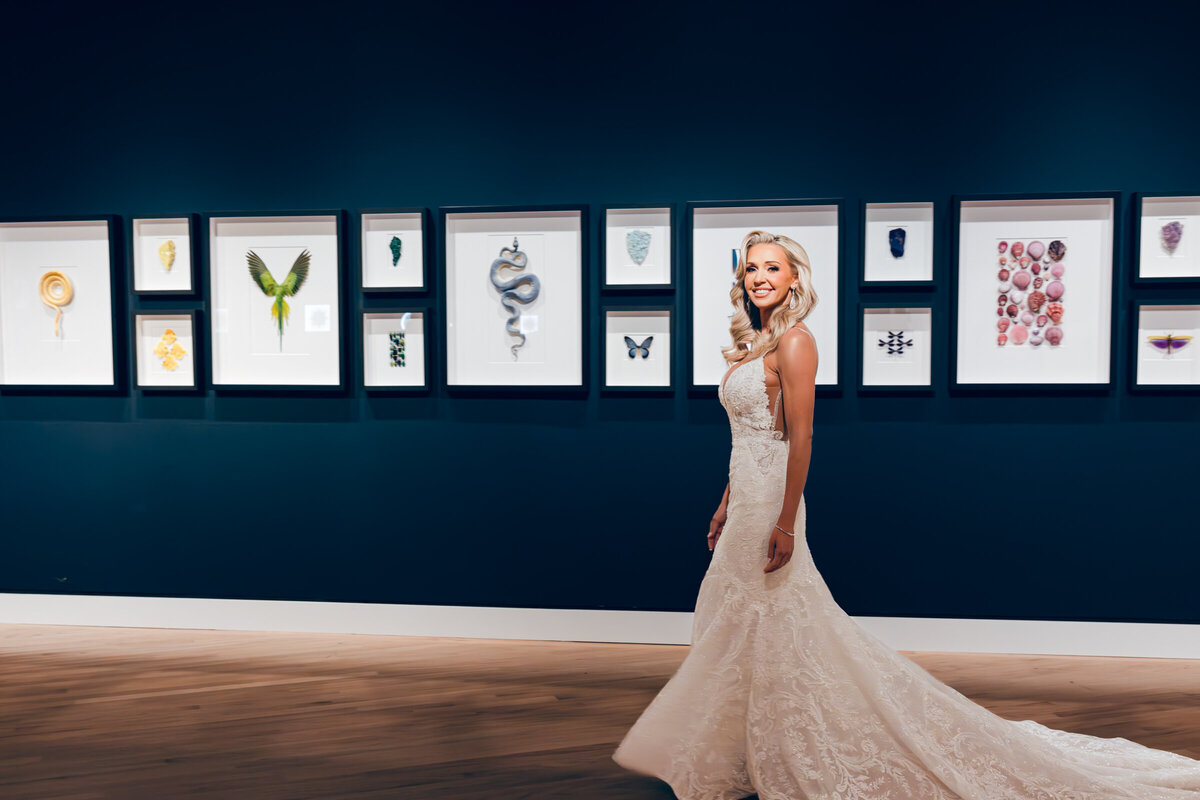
(169, 350)
(166, 253)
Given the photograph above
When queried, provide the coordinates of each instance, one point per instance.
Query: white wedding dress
(783, 694)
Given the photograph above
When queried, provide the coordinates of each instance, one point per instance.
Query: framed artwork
(57, 294)
(514, 297)
(1166, 336)
(394, 256)
(637, 248)
(1165, 245)
(716, 233)
(897, 348)
(1033, 281)
(637, 349)
(162, 255)
(898, 244)
(276, 299)
(164, 347)
(395, 349)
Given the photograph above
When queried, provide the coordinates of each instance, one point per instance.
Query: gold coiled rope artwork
(56, 292)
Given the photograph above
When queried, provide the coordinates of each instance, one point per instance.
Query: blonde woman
(782, 693)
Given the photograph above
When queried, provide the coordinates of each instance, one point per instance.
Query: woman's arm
(718, 521)
(796, 359)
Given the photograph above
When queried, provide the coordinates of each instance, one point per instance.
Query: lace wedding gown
(783, 694)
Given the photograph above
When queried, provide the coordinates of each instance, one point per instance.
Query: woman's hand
(716, 526)
(779, 551)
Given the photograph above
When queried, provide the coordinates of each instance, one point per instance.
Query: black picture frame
(822, 390)
(935, 243)
(1135, 307)
(427, 246)
(1135, 250)
(673, 327)
(360, 363)
(117, 308)
(935, 352)
(1052, 389)
(443, 340)
(672, 268)
(339, 216)
(198, 362)
(193, 256)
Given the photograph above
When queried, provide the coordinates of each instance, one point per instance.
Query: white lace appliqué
(783, 694)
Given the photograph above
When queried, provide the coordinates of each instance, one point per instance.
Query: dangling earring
(794, 303)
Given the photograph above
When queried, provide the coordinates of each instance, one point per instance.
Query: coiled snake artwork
(514, 258)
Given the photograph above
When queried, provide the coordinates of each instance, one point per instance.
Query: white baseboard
(1147, 640)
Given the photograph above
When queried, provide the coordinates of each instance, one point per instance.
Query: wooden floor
(137, 713)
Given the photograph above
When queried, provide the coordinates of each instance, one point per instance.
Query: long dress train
(783, 694)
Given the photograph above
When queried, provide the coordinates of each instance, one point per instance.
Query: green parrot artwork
(288, 288)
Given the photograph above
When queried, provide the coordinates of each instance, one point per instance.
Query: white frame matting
(913, 364)
(623, 372)
(718, 230)
(149, 273)
(246, 348)
(1153, 259)
(151, 329)
(920, 634)
(1085, 225)
(1156, 367)
(378, 370)
(619, 267)
(879, 265)
(69, 343)
(377, 232)
(478, 346)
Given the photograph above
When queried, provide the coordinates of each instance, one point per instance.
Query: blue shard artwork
(896, 238)
(638, 245)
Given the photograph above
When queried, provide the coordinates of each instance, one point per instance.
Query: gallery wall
(1037, 505)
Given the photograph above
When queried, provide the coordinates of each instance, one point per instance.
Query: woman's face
(768, 275)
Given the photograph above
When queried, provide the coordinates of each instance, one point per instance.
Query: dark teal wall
(941, 506)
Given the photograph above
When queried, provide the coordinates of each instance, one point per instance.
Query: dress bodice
(743, 394)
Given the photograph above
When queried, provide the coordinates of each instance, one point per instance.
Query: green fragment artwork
(396, 338)
(397, 250)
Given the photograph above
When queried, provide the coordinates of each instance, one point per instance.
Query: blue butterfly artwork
(634, 347)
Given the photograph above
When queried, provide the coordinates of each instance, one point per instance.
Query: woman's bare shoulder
(795, 347)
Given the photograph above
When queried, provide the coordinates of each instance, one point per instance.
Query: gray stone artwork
(638, 245)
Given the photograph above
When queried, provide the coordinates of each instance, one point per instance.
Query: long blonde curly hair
(745, 329)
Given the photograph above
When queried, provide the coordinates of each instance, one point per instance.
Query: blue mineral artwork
(735, 257)
(896, 242)
(638, 245)
(514, 258)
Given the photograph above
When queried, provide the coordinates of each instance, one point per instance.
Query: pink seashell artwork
(1057, 270)
(1003, 275)
(1042, 320)
(1016, 296)
(1036, 250)
(1003, 260)
(1025, 262)
(1037, 283)
(1017, 249)
(1036, 268)
(1026, 318)
(1055, 312)
(1021, 280)
(1055, 289)
(1002, 324)
(1019, 334)
(1011, 310)
(1004, 286)
(1001, 340)
(1035, 339)
(1054, 335)
(1036, 299)
(1003, 246)
(1003, 299)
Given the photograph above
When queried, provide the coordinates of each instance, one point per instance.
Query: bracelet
(789, 533)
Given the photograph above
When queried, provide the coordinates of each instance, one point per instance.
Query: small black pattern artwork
(895, 343)
(396, 350)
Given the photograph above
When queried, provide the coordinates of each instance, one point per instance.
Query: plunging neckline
(741, 364)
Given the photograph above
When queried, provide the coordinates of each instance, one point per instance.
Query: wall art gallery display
(637, 247)
(1165, 348)
(56, 303)
(637, 347)
(276, 295)
(394, 349)
(897, 346)
(162, 255)
(717, 231)
(1034, 280)
(898, 242)
(164, 345)
(514, 297)
(393, 250)
(1167, 228)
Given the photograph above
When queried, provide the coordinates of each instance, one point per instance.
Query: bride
(782, 693)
